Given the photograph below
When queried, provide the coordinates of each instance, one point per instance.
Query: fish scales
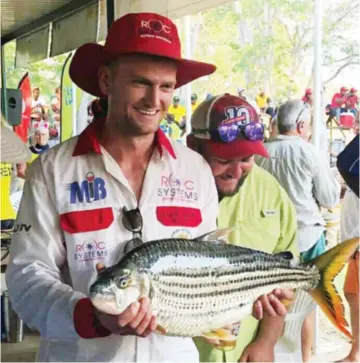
(198, 286)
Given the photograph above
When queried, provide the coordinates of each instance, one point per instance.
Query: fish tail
(325, 294)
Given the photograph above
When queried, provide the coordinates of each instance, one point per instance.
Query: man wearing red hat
(92, 198)
(352, 101)
(338, 103)
(307, 98)
(226, 131)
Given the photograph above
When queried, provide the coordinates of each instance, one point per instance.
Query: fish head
(115, 290)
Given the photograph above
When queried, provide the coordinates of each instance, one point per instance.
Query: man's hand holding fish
(137, 319)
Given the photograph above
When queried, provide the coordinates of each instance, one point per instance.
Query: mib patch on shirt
(89, 190)
(176, 189)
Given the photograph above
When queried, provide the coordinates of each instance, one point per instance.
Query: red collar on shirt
(88, 140)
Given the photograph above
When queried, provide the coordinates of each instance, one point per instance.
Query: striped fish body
(197, 287)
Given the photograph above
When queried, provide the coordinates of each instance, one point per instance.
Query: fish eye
(122, 282)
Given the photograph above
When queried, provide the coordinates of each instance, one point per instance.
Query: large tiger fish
(199, 286)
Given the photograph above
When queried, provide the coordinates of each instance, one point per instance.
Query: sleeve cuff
(84, 321)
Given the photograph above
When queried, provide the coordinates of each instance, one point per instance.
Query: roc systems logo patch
(154, 28)
(174, 189)
(90, 251)
(88, 190)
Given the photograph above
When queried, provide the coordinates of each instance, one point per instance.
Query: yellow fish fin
(220, 339)
(330, 264)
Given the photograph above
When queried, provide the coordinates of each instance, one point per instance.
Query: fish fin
(287, 302)
(330, 264)
(218, 234)
(221, 339)
(159, 329)
(287, 255)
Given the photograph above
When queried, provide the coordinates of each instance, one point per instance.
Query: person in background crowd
(177, 111)
(306, 176)
(40, 140)
(38, 106)
(338, 103)
(39, 144)
(194, 102)
(265, 220)
(174, 129)
(352, 101)
(261, 101)
(13, 151)
(241, 93)
(56, 104)
(307, 98)
(270, 110)
(348, 166)
(78, 196)
(165, 127)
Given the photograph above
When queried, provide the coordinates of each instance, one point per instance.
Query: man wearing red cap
(352, 101)
(90, 199)
(226, 131)
(307, 98)
(338, 103)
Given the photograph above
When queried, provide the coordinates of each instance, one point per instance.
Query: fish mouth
(106, 304)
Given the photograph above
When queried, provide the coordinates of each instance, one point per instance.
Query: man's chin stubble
(230, 194)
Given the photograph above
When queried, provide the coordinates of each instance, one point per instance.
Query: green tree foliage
(268, 44)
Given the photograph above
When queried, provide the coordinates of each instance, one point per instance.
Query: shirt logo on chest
(179, 190)
(90, 189)
(90, 251)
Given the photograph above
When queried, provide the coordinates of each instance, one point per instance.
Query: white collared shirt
(306, 176)
(70, 218)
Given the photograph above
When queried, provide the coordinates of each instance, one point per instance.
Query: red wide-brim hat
(142, 33)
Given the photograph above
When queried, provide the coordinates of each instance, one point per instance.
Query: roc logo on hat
(155, 28)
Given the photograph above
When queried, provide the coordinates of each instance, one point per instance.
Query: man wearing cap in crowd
(227, 132)
(338, 103)
(307, 98)
(177, 111)
(194, 102)
(78, 196)
(306, 176)
(352, 101)
(261, 101)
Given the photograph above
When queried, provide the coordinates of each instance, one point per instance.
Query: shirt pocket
(177, 216)
(88, 235)
(87, 220)
(269, 225)
(174, 221)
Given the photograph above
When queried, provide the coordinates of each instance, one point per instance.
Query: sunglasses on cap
(253, 131)
(133, 222)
